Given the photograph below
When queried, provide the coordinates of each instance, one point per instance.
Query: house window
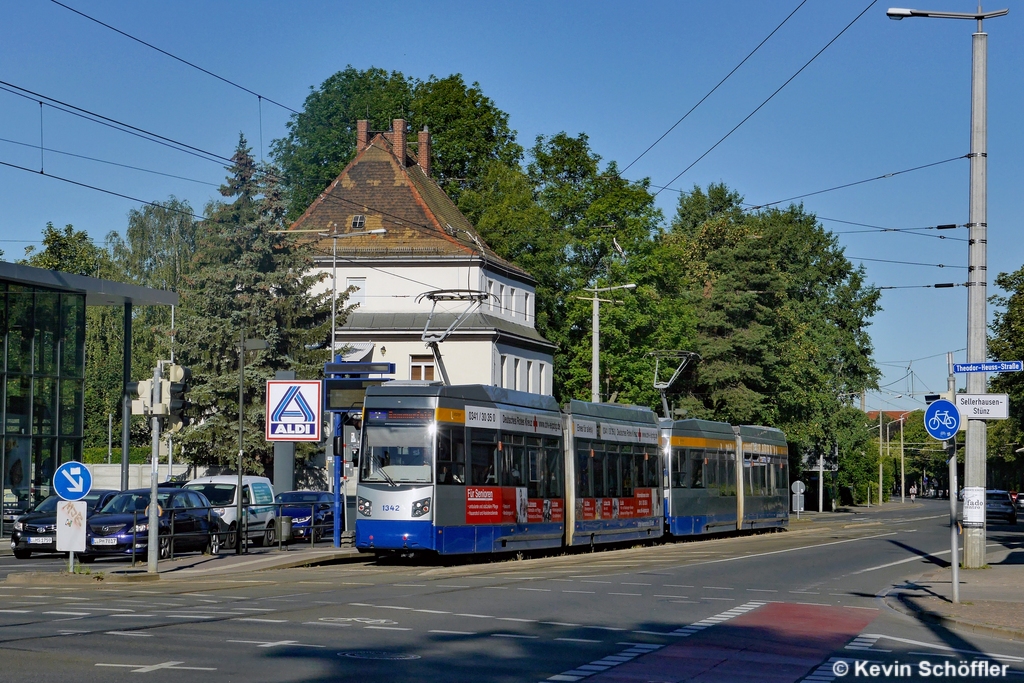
(526, 305)
(490, 295)
(516, 382)
(542, 386)
(529, 376)
(512, 300)
(359, 295)
(421, 367)
(501, 298)
(503, 382)
(358, 222)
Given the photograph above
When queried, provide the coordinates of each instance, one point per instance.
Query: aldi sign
(294, 410)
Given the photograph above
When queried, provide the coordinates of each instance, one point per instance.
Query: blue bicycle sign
(941, 420)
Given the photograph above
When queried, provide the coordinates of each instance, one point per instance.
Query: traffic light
(144, 391)
(173, 396)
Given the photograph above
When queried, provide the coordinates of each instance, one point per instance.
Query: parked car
(999, 506)
(123, 524)
(36, 531)
(257, 501)
(312, 512)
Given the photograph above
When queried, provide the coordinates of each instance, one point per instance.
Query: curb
(898, 603)
(64, 579)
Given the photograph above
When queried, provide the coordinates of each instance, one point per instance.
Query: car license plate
(104, 541)
(40, 540)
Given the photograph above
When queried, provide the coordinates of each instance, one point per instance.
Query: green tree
(67, 250)
(467, 129)
(246, 278)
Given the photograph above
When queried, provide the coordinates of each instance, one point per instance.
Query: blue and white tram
(701, 494)
(459, 469)
(614, 471)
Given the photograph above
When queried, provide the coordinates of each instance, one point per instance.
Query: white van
(257, 500)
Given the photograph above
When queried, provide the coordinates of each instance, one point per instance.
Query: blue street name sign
(72, 481)
(998, 366)
(941, 420)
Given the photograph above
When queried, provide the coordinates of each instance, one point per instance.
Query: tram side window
(600, 461)
(552, 469)
(513, 460)
(451, 455)
(652, 466)
(696, 462)
(711, 469)
(678, 469)
(584, 470)
(627, 471)
(783, 478)
(483, 452)
(727, 473)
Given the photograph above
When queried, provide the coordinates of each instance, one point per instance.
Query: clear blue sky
(886, 96)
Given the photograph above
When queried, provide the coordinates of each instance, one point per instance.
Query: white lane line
(577, 640)
(676, 597)
(431, 611)
(496, 588)
(586, 581)
(387, 628)
(15, 611)
(789, 550)
(718, 588)
(711, 598)
(632, 595)
(130, 633)
(539, 590)
(255, 609)
(558, 623)
(448, 585)
(137, 615)
(523, 621)
(452, 633)
(476, 616)
(277, 643)
(258, 620)
(915, 558)
(513, 635)
(71, 614)
(762, 590)
(628, 583)
(588, 592)
(947, 648)
(409, 585)
(675, 585)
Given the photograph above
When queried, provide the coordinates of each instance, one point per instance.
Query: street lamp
(977, 352)
(595, 352)
(335, 236)
(243, 346)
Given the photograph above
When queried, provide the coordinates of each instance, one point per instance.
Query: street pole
(241, 446)
(153, 550)
(821, 481)
(880, 414)
(954, 561)
(110, 436)
(334, 295)
(739, 479)
(977, 327)
(595, 351)
(903, 471)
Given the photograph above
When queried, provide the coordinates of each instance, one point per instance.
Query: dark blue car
(121, 527)
(308, 508)
(36, 530)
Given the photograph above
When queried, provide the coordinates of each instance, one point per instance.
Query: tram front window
(397, 454)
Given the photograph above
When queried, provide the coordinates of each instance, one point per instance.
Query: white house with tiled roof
(429, 245)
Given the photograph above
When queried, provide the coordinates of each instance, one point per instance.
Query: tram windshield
(397, 453)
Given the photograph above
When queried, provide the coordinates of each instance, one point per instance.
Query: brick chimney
(362, 135)
(398, 139)
(423, 150)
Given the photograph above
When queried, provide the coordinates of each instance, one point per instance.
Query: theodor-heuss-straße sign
(294, 410)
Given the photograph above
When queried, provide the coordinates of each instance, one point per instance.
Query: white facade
(392, 286)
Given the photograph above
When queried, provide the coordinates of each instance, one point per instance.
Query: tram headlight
(421, 507)
(364, 506)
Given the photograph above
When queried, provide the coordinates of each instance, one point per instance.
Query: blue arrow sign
(72, 481)
(997, 366)
(941, 420)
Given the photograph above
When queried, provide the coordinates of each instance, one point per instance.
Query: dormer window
(358, 222)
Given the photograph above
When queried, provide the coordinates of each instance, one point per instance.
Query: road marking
(130, 633)
(539, 590)
(578, 640)
(627, 583)
(137, 615)
(676, 597)
(431, 611)
(448, 585)
(513, 635)
(632, 595)
(587, 581)
(762, 590)
(277, 643)
(598, 665)
(15, 611)
(524, 621)
(146, 668)
(915, 558)
(712, 598)
(452, 633)
(497, 588)
(558, 623)
(476, 616)
(256, 609)
(388, 628)
(409, 585)
(588, 592)
(675, 585)
(261, 621)
(718, 588)
(787, 550)
(71, 614)
(188, 616)
(947, 648)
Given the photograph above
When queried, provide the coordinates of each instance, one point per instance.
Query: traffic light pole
(153, 549)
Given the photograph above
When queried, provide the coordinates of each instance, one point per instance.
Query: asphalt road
(801, 601)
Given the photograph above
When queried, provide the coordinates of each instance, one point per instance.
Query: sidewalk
(991, 600)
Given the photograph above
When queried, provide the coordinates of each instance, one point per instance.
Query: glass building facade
(42, 370)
